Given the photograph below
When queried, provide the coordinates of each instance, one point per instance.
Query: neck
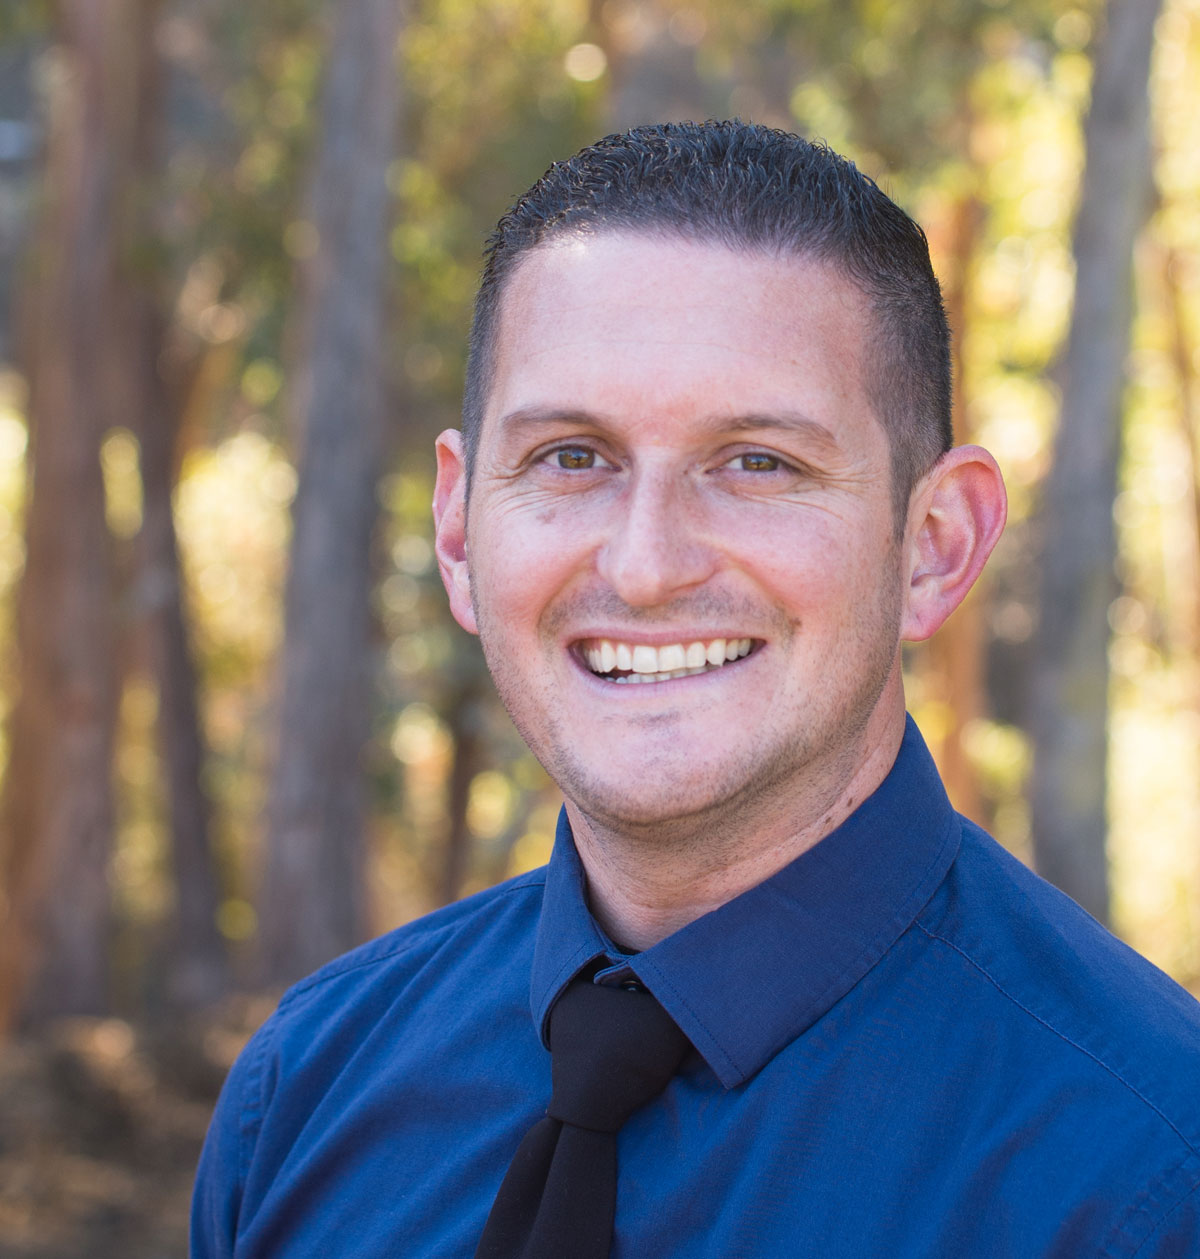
(646, 883)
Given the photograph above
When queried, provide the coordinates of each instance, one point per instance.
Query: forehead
(622, 324)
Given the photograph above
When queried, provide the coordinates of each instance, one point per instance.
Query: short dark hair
(749, 187)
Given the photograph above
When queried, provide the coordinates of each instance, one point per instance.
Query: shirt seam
(253, 1104)
(1157, 1229)
(313, 982)
(1037, 1018)
(582, 954)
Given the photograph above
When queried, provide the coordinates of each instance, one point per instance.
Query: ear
(955, 517)
(450, 527)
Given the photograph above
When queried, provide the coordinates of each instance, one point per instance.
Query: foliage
(946, 104)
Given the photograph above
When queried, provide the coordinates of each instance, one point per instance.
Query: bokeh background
(238, 246)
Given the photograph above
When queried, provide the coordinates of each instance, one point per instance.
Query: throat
(644, 888)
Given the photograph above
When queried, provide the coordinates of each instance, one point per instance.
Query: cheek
(793, 544)
(823, 569)
(520, 558)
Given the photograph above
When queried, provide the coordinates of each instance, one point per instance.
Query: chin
(645, 798)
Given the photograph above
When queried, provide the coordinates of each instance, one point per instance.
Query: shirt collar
(747, 978)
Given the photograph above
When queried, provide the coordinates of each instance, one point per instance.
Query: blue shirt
(907, 1045)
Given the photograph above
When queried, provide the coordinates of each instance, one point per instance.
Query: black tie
(611, 1051)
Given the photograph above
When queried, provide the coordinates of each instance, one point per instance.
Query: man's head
(684, 554)
(750, 189)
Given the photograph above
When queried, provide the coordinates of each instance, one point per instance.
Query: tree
(57, 808)
(311, 899)
(197, 971)
(1069, 710)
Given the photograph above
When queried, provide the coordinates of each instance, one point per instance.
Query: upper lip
(659, 638)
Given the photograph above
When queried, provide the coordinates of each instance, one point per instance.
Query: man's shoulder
(1087, 996)
(434, 995)
(487, 929)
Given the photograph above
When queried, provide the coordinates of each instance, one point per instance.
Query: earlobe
(956, 516)
(450, 527)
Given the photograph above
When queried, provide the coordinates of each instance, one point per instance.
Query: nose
(658, 546)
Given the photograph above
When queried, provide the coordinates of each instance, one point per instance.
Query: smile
(639, 662)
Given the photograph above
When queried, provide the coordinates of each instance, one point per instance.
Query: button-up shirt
(907, 1046)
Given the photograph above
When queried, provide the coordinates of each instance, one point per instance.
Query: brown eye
(758, 462)
(575, 457)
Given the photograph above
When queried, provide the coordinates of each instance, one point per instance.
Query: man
(703, 491)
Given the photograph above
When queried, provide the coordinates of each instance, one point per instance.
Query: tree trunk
(652, 73)
(954, 657)
(196, 963)
(1069, 716)
(1175, 284)
(312, 897)
(466, 722)
(57, 808)
(197, 968)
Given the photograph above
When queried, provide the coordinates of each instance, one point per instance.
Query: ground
(101, 1125)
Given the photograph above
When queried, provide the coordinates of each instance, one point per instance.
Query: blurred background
(238, 247)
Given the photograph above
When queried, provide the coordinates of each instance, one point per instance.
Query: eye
(576, 458)
(756, 461)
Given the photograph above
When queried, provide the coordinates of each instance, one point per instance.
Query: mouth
(626, 663)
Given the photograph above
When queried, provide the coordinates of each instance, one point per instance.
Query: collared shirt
(907, 1046)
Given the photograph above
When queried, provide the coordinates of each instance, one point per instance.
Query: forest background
(238, 247)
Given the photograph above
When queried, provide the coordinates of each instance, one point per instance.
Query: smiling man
(772, 996)
(685, 561)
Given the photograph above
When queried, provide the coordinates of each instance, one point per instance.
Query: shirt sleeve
(221, 1175)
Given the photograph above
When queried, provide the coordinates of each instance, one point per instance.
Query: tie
(611, 1051)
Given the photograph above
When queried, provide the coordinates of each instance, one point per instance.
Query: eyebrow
(785, 421)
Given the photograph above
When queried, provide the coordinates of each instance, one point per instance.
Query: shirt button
(632, 985)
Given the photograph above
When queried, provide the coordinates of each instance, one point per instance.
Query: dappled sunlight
(973, 122)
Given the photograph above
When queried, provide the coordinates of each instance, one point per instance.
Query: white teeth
(672, 658)
(644, 663)
(645, 660)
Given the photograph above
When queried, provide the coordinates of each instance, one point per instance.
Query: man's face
(680, 538)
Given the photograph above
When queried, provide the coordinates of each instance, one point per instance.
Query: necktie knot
(612, 1050)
